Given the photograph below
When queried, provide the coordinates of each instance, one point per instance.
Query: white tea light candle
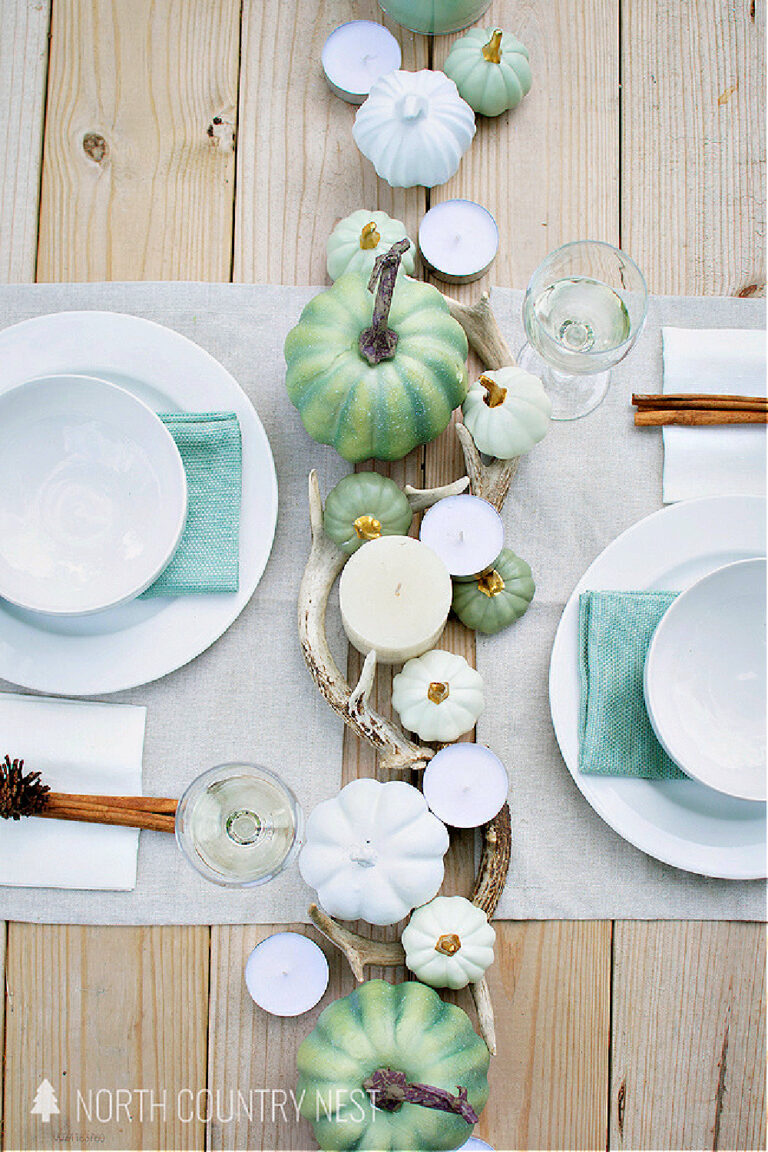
(394, 595)
(357, 54)
(466, 532)
(458, 240)
(286, 974)
(475, 1145)
(465, 785)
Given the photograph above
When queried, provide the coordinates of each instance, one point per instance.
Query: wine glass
(239, 824)
(583, 310)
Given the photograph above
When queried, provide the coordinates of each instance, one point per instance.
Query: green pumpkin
(376, 378)
(490, 602)
(405, 1027)
(490, 70)
(364, 506)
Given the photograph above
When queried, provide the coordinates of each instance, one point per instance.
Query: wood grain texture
(688, 1036)
(138, 180)
(298, 169)
(548, 169)
(23, 63)
(95, 1010)
(693, 144)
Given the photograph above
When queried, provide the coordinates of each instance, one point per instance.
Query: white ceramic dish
(680, 822)
(94, 495)
(144, 639)
(705, 681)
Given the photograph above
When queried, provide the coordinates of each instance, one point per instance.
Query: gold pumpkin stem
(438, 691)
(492, 50)
(448, 944)
(367, 527)
(369, 237)
(490, 583)
(494, 393)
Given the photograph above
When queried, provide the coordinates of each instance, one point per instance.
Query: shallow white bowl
(705, 680)
(94, 495)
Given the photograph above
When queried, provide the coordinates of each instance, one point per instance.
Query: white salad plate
(145, 639)
(705, 682)
(94, 495)
(681, 822)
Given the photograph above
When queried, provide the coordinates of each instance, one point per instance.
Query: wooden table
(195, 139)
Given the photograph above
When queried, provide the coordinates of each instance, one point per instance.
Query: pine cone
(21, 794)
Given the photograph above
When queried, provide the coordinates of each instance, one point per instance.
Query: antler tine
(324, 564)
(482, 331)
(491, 481)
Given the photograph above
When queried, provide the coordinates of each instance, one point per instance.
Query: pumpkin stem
(492, 50)
(379, 342)
(389, 1090)
(448, 944)
(490, 583)
(367, 527)
(438, 691)
(369, 237)
(494, 393)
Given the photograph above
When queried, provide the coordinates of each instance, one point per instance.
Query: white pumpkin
(507, 412)
(414, 128)
(448, 942)
(374, 852)
(438, 696)
(359, 238)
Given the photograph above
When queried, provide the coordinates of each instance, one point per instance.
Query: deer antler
(323, 566)
(491, 480)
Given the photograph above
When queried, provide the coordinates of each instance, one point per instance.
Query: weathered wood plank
(688, 1036)
(23, 63)
(693, 144)
(97, 1010)
(138, 179)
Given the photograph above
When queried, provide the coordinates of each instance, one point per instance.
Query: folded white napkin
(717, 460)
(78, 746)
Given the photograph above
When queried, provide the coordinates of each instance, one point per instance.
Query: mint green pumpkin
(364, 506)
(375, 378)
(490, 69)
(497, 598)
(405, 1027)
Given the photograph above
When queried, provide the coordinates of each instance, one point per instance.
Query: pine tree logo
(44, 1104)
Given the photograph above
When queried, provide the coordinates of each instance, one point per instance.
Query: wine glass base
(572, 396)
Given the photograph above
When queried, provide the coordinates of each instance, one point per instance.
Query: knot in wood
(95, 147)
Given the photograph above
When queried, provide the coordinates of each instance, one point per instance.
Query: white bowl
(93, 499)
(705, 680)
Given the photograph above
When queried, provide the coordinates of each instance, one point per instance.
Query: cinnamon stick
(700, 400)
(697, 417)
(159, 804)
(103, 814)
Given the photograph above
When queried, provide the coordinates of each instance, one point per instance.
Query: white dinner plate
(704, 680)
(145, 639)
(680, 822)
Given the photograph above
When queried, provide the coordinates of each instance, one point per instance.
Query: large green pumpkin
(375, 378)
(405, 1027)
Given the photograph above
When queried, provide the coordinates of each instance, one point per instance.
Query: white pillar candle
(286, 974)
(394, 595)
(458, 240)
(466, 532)
(357, 54)
(465, 785)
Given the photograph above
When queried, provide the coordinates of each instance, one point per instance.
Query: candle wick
(457, 238)
(461, 535)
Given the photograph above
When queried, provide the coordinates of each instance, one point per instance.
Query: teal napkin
(208, 556)
(615, 734)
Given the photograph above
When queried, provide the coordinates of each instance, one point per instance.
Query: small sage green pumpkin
(405, 1027)
(364, 506)
(506, 412)
(375, 378)
(359, 238)
(490, 602)
(490, 70)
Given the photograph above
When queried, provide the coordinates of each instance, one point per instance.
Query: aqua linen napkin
(208, 556)
(615, 734)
